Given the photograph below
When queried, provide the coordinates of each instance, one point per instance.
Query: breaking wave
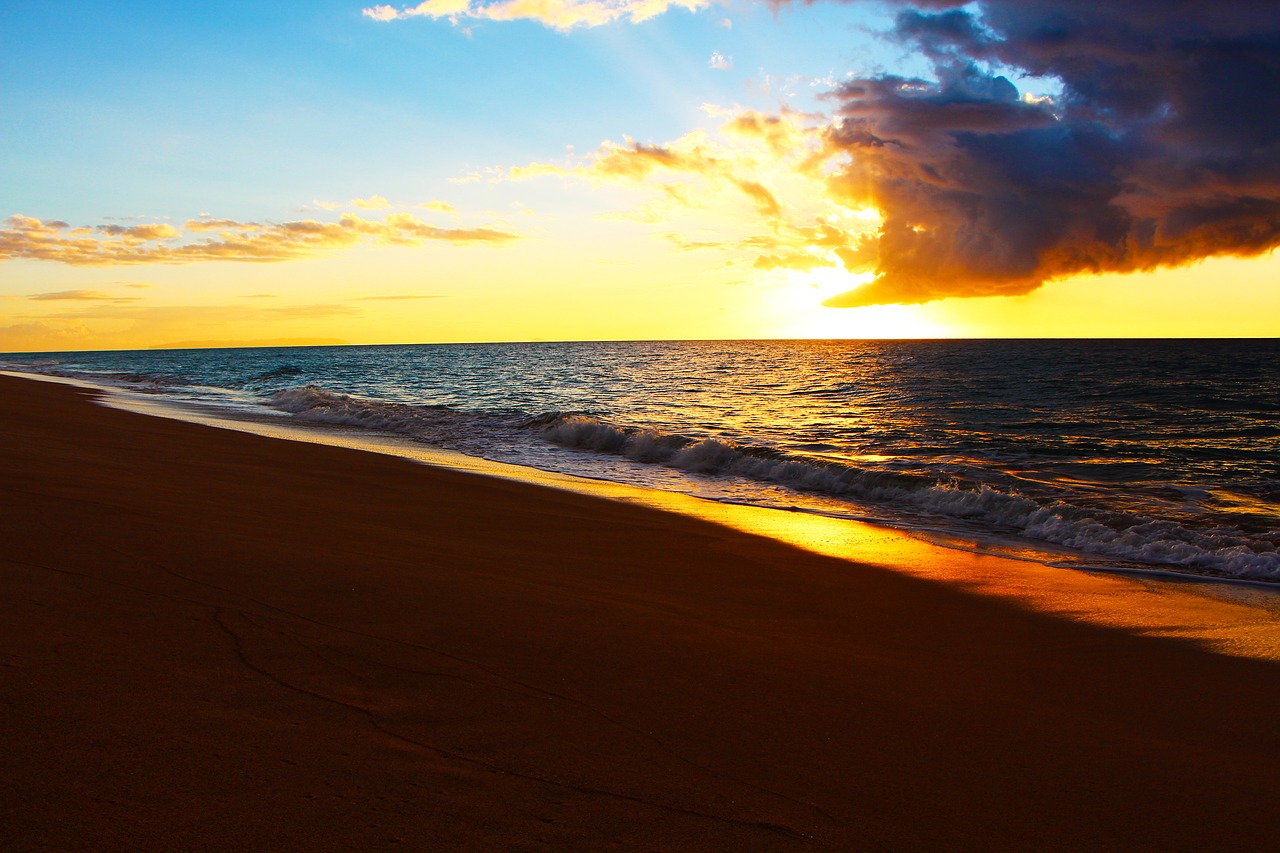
(440, 425)
(926, 496)
(143, 381)
(1110, 534)
(284, 371)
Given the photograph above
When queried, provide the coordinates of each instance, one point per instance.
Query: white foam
(1229, 553)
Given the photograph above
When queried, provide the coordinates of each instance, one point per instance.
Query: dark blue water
(1143, 453)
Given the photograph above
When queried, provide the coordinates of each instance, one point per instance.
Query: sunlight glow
(795, 306)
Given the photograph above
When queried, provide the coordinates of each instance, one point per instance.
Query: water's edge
(1228, 616)
(1128, 456)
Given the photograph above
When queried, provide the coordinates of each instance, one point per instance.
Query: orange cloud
(142, 233)
(400, 296)
(558, 14)
(39, 336)
(73, 295)
(82, 296)
(373, 202)
(1160, 151)
(30, 238)
(220, 225)
(256, 342)
(311, 312)
(778, 164)
(764, 200)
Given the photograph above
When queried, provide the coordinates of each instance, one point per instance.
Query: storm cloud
(1159, 146)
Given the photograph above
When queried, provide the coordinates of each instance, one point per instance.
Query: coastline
(216, 640)
(1229, 615)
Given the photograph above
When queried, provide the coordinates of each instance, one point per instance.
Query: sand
(214, 640)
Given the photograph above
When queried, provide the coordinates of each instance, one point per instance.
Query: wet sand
(213, 640)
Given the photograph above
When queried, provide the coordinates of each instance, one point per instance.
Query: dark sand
(212, 640)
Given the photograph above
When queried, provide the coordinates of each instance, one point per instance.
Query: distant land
(261, 342)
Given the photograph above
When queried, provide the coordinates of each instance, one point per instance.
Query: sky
(338, 171)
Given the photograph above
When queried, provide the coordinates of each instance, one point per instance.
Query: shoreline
(1230, 615)
(589, 449)
(218, 640)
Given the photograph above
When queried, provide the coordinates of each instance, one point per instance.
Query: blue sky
(246, 109)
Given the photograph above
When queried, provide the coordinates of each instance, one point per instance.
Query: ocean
(1130, 454)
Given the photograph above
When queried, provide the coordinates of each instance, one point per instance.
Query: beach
(215, 640)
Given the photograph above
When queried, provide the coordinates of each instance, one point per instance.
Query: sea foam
(1114, 535)
(1143, 453)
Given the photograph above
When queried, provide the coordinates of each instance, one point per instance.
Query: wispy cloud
(83, 296)
(312, 312)
(756, 190)
(30, 238)
(201, 225)
(139, 233)
(225, 343)
(400, 296)
(73, 296)
(99, 325)
(558, 14)
(153, 316)
(373, 202)
(40, 335)
(720, 62)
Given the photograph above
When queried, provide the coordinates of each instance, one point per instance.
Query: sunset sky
(336, 171)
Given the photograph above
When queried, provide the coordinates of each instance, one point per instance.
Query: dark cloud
(1162, 147)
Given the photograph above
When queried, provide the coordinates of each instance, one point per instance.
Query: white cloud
(558, 14)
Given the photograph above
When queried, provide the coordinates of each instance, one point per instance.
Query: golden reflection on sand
(1235, 619)
(1230, 618)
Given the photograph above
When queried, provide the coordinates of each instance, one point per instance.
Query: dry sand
(213, 640)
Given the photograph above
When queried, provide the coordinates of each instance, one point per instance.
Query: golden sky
(638, 169)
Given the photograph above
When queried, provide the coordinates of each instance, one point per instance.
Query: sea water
(1117, 454)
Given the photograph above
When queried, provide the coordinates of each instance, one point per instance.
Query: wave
(336, 407)
(145, 381)
(932, 497)
(29, 366)
(1112, 534)
(433, 424)
(284, 371)
(1153, 520)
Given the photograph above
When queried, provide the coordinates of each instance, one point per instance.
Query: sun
(793, 308)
